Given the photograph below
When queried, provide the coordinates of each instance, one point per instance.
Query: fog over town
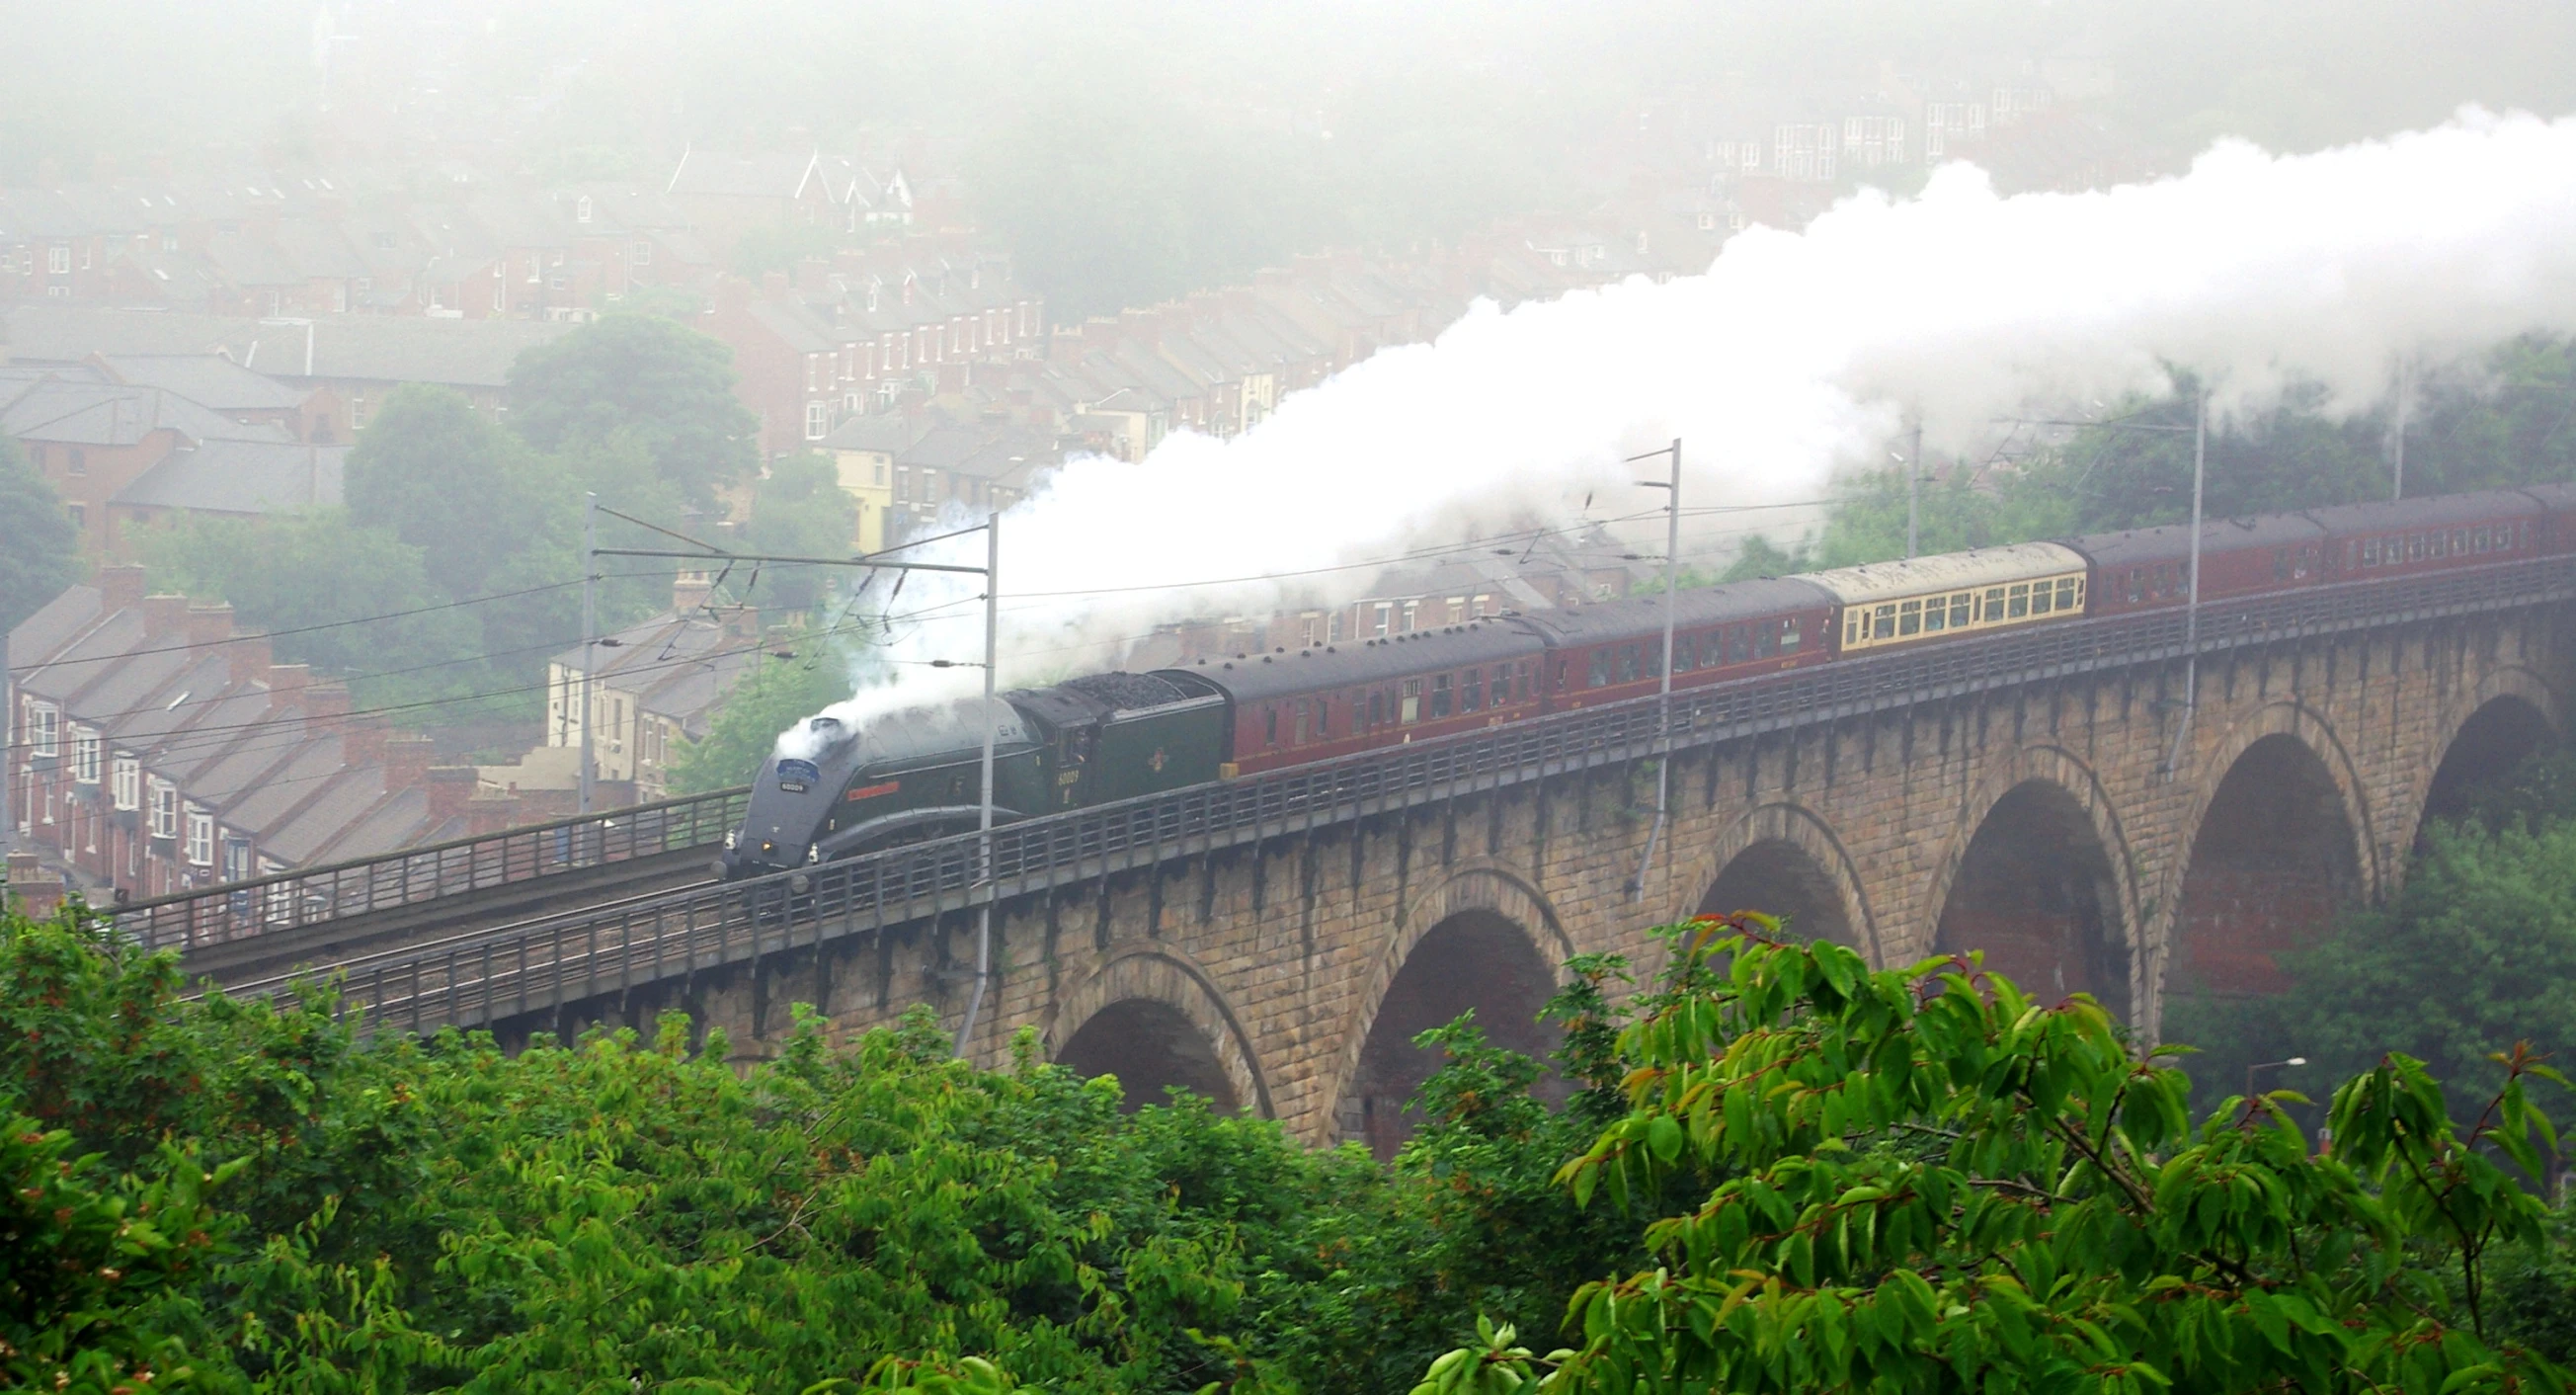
(1412, 696)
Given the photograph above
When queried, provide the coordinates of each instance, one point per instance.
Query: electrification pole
(984, 816)
(2191, 610)
(1914, 492)
(589, 631)
(1664, 700)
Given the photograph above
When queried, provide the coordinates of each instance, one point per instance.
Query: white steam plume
(1796, 354)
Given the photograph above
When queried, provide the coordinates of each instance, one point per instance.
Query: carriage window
(2070, 592)
(1851, 627)
(1412, 701)
(2414, 547)
(1270, 725)
(2478, 539)
(1882, 622)
(1789, 636)
(2437, 543)
(2370, 552)
(1627, 663)
(1739, 645)
(1994, 606)
(1525, 693)
(2137, 577)
(1299, 737)
(2459, 542)
(2017, 601)
(2308, 560)
(1766, 640)
(1909, 618)
(1471, 694)
(1440, 693)
(1377, 708)
(1655, 659)
(1600, 668)
(2280, 564)
(1936, 614)
(2039, 598)
(1960, 605)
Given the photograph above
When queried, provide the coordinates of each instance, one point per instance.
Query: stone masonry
(2041, 824)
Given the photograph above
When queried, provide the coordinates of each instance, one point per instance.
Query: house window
(236, 860)
(817, 420)
(165, 807)
(126, 782)
(643, 254)
(78, 462)
(85, 755)
(500, 291)
(44, 729)
(581, 209)
(201, 838)
(58, 259)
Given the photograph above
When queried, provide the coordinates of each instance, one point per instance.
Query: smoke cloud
(1794, 356)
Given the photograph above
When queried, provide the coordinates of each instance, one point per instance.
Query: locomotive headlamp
(733, 839)
(813, 852)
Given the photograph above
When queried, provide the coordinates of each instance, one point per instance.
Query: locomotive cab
(831, 790)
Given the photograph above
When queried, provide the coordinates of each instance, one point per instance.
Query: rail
(508, 971)
(309, 896)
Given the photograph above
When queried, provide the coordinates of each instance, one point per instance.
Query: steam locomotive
(1111, 736)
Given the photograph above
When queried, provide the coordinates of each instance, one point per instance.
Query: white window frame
(84, 755)
(58, 259)
(164, 802)
(44, 728)
(643, 254)
(818, 420)
(125, 787)
(201, 837)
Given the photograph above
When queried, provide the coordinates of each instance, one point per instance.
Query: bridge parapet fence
(508, 971)
(410, 876)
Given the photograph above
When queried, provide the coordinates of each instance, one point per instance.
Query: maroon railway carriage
(2439, 531)
(1615, 649)
(2558, 531)
(2149, 568)
(1292, 707)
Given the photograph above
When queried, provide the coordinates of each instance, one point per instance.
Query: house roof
(375, 348)
(204, 717)
(209, 380)
(241, 477)
(114, 414)
(764, 176)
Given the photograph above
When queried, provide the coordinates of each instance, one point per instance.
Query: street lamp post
(2268, 1065)
(1664, 700)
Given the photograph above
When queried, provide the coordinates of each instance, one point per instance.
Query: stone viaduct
(2058, 825)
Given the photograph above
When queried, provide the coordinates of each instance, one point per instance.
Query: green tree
(321, 582)
(2476, 952)
(775, 695)
(1941, 1185)
(446, 480)
(800, 510)
(43, 555)
(645, 383)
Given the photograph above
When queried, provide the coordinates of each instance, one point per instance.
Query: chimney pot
(326, 706)
(286, 683)
(407, 760)
(249, 658)
(689, 593)
(120, 587)
(362, 743)
(451, 793)
(164, 616)
(210, 624)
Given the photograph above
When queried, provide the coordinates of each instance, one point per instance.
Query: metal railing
(310, 896)
(511, 970)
